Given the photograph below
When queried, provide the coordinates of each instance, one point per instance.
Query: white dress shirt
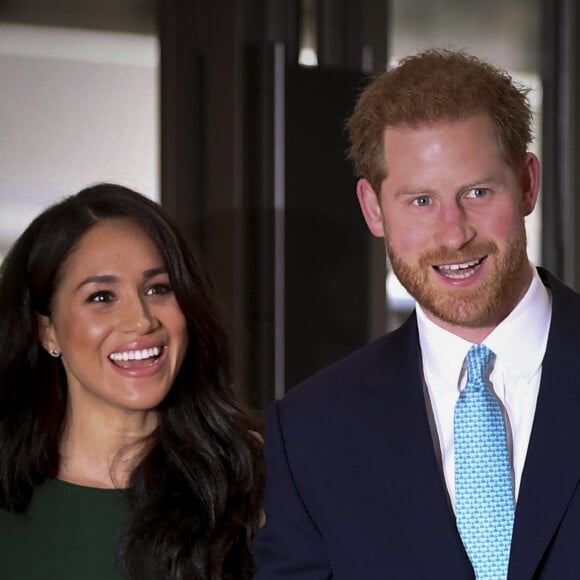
(519, 343)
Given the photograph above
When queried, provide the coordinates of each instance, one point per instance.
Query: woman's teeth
(135, 354)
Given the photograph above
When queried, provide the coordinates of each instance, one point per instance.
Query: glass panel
(77, 107)
(308, 37)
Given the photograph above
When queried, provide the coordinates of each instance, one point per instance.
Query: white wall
(76, 107)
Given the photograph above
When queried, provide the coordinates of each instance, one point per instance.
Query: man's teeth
(458, 270)
(135, 354)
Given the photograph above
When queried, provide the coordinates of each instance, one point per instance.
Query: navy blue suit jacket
(354, 489)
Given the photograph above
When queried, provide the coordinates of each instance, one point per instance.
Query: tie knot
(478, 360)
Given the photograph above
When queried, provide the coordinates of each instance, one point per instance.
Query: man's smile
(461, 270)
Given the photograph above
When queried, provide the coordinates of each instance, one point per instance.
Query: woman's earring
(55, 353)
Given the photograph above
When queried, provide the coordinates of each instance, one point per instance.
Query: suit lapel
(551, 472)
(409, 471)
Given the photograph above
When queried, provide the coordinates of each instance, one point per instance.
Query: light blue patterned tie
(484, 499)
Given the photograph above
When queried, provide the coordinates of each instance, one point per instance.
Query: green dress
(69, 532)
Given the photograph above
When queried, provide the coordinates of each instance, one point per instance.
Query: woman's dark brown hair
(196, 494)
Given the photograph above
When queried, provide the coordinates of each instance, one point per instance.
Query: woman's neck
(102, 451)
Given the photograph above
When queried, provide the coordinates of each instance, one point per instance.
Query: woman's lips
(138, 359)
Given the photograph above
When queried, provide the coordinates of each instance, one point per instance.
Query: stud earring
(55, 353)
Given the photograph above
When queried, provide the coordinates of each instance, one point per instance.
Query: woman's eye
(159, 290)
(422, 201)
(100, 297)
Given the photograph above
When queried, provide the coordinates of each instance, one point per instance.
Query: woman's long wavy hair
(196, 493)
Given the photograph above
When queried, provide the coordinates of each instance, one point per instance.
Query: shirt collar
(444, 371)
(529, 321)
(520, 340)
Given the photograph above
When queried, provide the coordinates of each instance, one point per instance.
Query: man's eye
(422, 201)
(477, 192)
(100, 297)
(159, 290)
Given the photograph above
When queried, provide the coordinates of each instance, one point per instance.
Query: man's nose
(455, 229)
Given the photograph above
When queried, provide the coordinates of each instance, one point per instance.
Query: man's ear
(46, 333)
(371, 207)
(530, 182)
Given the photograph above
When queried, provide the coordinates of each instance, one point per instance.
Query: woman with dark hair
(124, 452)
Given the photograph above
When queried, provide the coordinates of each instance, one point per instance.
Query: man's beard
(470, 307)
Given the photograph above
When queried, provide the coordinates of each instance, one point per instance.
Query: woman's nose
(137, 317)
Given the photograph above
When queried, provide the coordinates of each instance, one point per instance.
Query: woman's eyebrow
(99, 279)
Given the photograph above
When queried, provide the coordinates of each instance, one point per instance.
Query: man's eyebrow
(405, 191)
(479, 181)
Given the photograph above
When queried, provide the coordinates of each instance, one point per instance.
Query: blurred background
(231, 114)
